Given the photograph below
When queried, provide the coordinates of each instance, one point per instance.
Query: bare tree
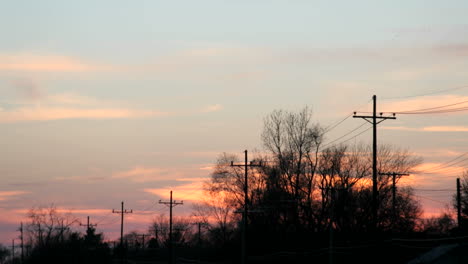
(4, 253)
(217, 214)
(181, 229)
(47, 225)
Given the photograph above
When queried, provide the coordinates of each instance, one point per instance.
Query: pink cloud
(6, 195)
(212, 108)
(147, 174)
(57, 113)
(153, 174)
(46, 63)
(446, 129)
(191, 191)
(423, 103)
(428, 129)
(12, 216)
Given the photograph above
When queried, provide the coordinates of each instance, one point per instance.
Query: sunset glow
(109, 102)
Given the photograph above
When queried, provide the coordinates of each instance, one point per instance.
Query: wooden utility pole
(143, 239)
(373, 120)
(246, 165)
(22, 242)
(88, 225)
(394, 175)
(13, 249)
(171, 204)
(459, 219)
(122, 212)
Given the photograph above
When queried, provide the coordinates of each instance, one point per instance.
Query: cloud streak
(48, 113)
(212, 108)
(428, 129)
(46, 63)
(7, 195)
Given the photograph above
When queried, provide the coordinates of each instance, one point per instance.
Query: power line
(339, 122)
(433, 108)
(88, 225)
(331, 127)
(351, 138)
(426, 94)
(448, 167)
(430, 199)
(452, 110)
(346, 134)
(443, 165)
(434, 190)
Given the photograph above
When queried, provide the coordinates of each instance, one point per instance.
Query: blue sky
(103, 101)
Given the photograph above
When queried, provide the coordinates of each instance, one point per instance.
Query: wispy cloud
(191, 191)
(34, 104)
(212, 108)
(141, 174)
(6, 195)
(46, 63)
(428, 129)
(147, 174)
(423, 102)
(41, 113)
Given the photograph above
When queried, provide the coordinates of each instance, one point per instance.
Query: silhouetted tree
(47, 225)
(52, 240)
(4, 253)
(181, 230)
(463, 201)
(440, 225)
(303, 189)
(217, 216)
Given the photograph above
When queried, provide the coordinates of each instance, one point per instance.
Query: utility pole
(122, 212)
(143, 239)
(373, 120)
(62, 229)
(246, 202)
(394, 175)
(13, 249)
(333, 197)
(88, 225)
(199, 226)
(171, 204)
(22, 243)
(330, 238)
(458, 203)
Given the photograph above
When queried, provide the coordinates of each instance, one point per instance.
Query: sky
(110, 101)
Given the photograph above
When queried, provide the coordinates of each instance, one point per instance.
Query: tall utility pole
(394, 175)
(171, 204)
(143, 239)
(373, 120)
(246, 165)
(88, 225)
(458, 203)
(122, 212)
(22, 243)
(13, 248)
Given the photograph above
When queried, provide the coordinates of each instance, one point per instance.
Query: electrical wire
(453, 110)
(443, 165)
(346, 134)
(426, 94)
(434, 108)
(430, 199)
(331, 127)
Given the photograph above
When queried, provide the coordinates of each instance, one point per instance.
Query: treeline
(305, 199)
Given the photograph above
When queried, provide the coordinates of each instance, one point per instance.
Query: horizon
(116, 101)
